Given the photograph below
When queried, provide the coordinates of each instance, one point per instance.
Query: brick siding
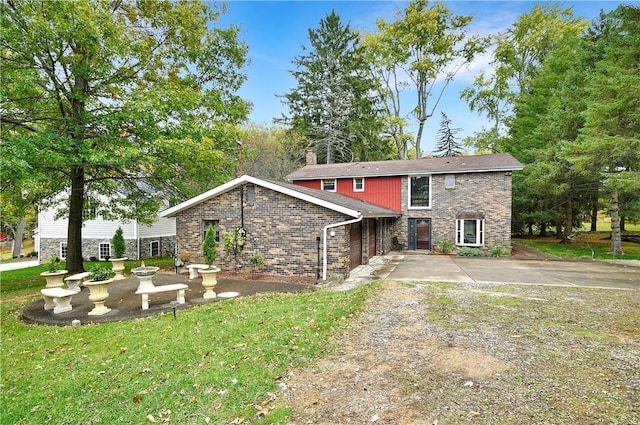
(280, 228)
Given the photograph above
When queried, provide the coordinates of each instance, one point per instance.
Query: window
(216, 227)
(470, 232)
(449, 181)
(154, 248)
(358, 184)
(104, 250)
(329, 185)
(63, 250)
(420, 192)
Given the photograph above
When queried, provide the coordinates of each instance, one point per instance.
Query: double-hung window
(329, 185)
(470, 232)
(358, 184)
(154, 248)
(104, 250)
(420, 192)
(63, 250)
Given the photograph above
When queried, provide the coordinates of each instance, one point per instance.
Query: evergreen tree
(448, 144)
(333, 105)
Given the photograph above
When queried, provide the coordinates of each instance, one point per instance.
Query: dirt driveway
(470, 351)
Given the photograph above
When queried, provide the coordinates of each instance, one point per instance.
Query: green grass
(589, 245)
(221, 361)
(29, 278)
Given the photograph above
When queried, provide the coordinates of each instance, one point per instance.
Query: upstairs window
(329, 185)
(420, 192)
(358, 184)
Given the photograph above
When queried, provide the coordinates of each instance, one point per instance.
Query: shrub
(469, 252)
(210, 246)
(53, 265)
(119, 246)
(98, 273)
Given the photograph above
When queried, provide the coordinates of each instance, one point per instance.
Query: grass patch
(591, 245)
(29, 278)
(221, 361)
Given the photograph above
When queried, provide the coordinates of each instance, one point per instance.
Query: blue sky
(276, 30)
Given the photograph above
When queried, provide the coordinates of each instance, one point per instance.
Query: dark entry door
(372, 238)
(356, 245)
(419, 233)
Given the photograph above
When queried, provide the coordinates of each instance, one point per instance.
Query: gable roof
(407, 167)
(330, 200)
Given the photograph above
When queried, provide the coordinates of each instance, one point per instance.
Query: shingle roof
(429, 165)
(331, 200)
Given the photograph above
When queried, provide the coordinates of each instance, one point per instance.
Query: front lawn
(216, 363)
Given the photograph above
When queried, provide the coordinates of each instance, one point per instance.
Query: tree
(103, 100)
(118, 243)
(430, 45)
(271, 152)
(448, 144)
(609, 141)
(333, 103)
(210, 246)
(518, 53)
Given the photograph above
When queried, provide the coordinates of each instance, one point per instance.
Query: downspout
(136, 236)
(324, 241)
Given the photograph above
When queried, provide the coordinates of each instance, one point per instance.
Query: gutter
(324, 241)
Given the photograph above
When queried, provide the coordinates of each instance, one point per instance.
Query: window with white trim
(104, 250)
(329, 185)
(358, 184)
(216, 227)
(154, 248)
(470, 232)
(420, 192)
(63, 251)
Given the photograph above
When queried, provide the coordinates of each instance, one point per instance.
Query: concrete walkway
(415, 266)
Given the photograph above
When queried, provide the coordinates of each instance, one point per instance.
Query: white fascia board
(171, 212)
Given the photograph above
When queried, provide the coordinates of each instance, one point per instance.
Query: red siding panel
(383, 191)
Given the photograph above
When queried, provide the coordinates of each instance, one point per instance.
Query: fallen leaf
(150, 418)
(136, 399)
(473, 414)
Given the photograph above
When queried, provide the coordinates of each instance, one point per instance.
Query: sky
(275, 32)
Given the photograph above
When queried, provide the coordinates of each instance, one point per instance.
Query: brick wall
(485, 193)
(280, 228)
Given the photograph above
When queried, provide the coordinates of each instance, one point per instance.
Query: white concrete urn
(209, 280)
(98, 294)
(54, 279)
(117, 265)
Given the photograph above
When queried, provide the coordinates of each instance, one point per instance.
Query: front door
(419, 233)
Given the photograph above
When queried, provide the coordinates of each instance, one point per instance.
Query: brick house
(465, 200)
(296, 230)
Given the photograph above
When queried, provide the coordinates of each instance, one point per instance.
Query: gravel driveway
(471, 352)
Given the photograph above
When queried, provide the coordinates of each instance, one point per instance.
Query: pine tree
(448, 144)
(332, 104)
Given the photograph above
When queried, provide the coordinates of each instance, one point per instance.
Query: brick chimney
(312, 158)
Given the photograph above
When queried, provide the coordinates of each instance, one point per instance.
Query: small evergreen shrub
(210, 246)
(119, 246)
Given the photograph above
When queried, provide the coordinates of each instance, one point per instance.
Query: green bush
(210, 246)
(470, 252)
(99, 273)
(119, 246)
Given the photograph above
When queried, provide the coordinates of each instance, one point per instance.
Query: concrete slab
(417, 266)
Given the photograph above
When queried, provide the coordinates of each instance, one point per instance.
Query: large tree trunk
(17, 238)
(74, 231)
(594, 216)
(616, 239)
(568, 222)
